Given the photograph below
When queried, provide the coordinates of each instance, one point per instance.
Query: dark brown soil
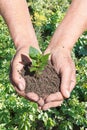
(44, 84)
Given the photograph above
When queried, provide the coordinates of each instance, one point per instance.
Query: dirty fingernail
(21, 87)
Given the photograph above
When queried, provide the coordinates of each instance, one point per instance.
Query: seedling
(39, 61)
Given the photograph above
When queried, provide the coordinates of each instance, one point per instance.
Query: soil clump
(43, 84)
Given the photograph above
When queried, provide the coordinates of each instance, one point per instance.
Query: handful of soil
(44, 84)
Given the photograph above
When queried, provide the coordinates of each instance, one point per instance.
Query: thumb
(65, 82)
(47, 51)
(15, 75)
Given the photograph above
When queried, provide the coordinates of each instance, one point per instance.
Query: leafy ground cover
(16, 113)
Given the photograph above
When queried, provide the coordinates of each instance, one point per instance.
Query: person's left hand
(64, 65)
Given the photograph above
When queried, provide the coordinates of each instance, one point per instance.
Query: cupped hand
(17, 63)
(64, 65)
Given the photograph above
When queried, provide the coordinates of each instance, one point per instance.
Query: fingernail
(41, 102)
(21, 86)
(67, 94)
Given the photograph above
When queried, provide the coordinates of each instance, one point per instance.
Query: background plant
(16, 113)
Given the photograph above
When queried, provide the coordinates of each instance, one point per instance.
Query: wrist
(62, 47)
(61, 39)
(25, 42)
(58, 50)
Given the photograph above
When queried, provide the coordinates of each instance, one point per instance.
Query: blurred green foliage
(16, 113)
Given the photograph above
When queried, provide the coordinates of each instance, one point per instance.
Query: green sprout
(39, 61)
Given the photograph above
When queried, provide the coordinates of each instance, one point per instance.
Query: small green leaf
(41, 68)
(33, 53)
(34, 62)
(44, 58)
(42, 65)
(33, 69)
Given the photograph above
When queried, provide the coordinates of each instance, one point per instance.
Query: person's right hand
(16, 78)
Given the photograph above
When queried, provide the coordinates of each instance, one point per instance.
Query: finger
(32, 96)
(73, 80)
(52, 105)
(21, 93)
(65, 81)
(15, 74)
(54, 97)
(39, 107)
(40, 102)
(47, 51)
